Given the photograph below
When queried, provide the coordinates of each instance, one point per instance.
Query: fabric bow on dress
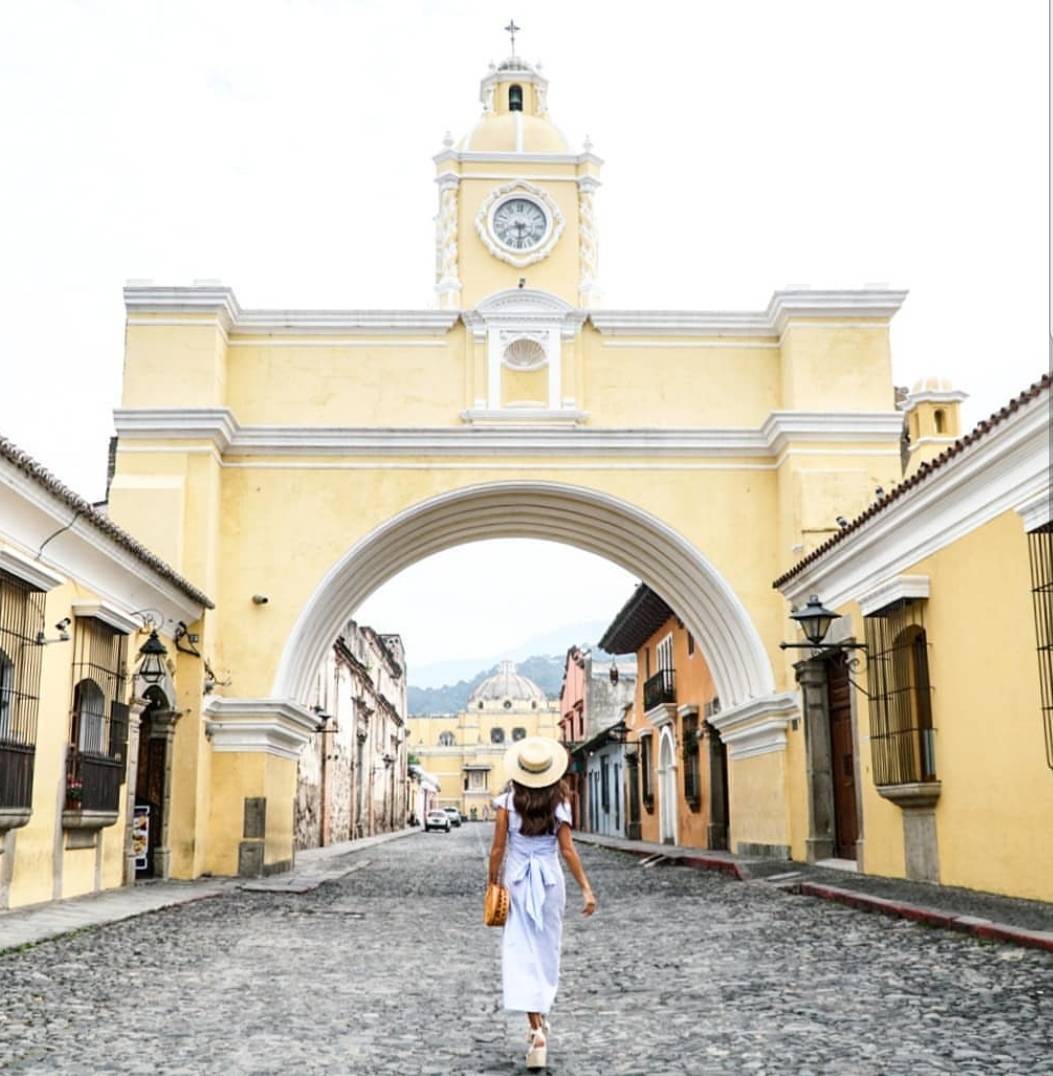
(539, 873)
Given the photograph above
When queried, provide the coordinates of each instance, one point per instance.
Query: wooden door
(842, 760)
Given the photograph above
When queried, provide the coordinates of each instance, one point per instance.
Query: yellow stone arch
(574, 515)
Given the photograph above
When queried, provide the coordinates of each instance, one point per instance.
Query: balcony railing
(93, 782)
(659, 689)
(16, 775)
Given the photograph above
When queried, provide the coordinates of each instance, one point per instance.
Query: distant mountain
(440, 674)
(546, 670)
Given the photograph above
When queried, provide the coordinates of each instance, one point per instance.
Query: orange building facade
(676, 765)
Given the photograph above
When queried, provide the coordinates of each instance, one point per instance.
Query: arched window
(533, 705)
(940, 418)
(89, 717)
(481, 704)
(913, 657)
(515, 98)
(901, 731)
(446, 739)
(519, 733)
(497, 735)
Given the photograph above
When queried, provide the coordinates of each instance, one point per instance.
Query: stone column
(135, 713)
(162, 727)
(811, 675)
(716, 753)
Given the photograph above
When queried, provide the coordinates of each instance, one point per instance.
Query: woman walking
(533, 821)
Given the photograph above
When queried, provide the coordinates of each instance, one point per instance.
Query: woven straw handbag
(495, 905)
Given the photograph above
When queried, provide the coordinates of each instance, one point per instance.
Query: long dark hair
(536, 808)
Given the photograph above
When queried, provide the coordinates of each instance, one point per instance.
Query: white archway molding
(572, 515)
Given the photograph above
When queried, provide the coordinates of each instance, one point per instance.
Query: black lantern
(153, 653)
(814, 620)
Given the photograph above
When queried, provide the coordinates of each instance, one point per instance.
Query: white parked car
(454, 815)
(437, 820)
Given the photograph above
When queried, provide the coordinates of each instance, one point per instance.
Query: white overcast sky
(285, 148)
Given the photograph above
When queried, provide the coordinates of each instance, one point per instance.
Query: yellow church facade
(289, 462)
(465, 752)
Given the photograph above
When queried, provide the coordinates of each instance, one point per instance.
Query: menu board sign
(141, 837)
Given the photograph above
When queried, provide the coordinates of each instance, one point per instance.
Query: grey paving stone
(388, 969)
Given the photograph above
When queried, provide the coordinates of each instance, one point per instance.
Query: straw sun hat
(535, 762)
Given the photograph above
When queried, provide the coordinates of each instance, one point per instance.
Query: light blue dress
(533, 933)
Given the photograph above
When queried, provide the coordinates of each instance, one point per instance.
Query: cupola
(514, 96)
(933, 413)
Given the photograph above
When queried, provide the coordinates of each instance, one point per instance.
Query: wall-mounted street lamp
(62, 627)
(152, 653)
(814, 620)
(323, 719)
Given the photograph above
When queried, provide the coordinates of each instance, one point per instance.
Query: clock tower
(515, 203)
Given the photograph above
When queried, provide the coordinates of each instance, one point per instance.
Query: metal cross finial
(511, 29)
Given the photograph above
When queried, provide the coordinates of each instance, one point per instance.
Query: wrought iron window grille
(21, 624)
(691, 756)
(97, 758)
(902, 734)
(1040, 551)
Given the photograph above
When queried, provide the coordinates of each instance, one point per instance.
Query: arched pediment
(524, 307)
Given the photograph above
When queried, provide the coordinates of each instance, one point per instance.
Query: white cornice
(484, 156)
(108, 614)
(680, 323)
(511, 431)
(31, 514)
(661, 715)
(868, 303)
(434, 322)
(793, 303)
(524, 418)
(216, 425)
(29, 571)
(757, 727)
(1037, 511)
(269, 726)
(147, 303)
(893, 590)
(192, 299)
(144, 302)
(934, 396)
(1006, 469)
(782, 427)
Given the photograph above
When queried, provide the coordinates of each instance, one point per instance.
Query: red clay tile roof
(86, 511)
(922, 474)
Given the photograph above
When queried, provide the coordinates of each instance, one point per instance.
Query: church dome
(506, 685)
(931, 384)
(514, 132)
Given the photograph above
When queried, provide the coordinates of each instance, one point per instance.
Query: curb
(986, 929)
(696, 861)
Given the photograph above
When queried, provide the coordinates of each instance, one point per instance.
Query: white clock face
(520, 223)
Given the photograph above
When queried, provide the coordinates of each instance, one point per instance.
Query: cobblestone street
(389, 970)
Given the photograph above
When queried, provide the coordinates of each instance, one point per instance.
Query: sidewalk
(983, 915)
(39, 922)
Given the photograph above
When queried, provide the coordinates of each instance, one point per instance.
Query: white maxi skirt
(533, 934)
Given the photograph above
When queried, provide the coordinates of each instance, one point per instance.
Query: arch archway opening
(586, 519)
